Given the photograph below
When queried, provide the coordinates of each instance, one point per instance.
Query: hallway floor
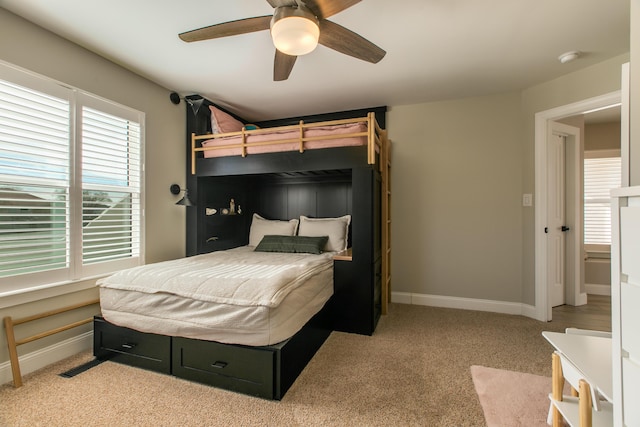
(596, 314)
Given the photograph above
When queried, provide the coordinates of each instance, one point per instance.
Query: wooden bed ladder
(385, 170)
(13, 344)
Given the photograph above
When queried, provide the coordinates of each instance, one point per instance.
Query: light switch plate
(527, 199)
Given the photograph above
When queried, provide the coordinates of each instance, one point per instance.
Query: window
(70, 183)
(602, 172)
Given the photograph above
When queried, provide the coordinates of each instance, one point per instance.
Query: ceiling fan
(297, 26)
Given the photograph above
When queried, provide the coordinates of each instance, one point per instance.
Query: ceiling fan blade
(345, 41)
(326, 8)
(280, 3)
(282, 66)
(231, 28)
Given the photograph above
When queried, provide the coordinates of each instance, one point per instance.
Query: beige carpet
(414, 371)
(511, 399)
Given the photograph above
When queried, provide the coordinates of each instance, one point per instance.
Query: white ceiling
(436, 49)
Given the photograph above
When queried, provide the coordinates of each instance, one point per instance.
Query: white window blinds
(110, 187)
(600, 176)
(70, 183)
(34, 181)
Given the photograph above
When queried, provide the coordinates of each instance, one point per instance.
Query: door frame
(542, 124)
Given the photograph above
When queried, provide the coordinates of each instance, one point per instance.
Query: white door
(564, 216)
(555, 218)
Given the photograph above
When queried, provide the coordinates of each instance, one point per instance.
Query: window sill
(40, 292)
(591, 255)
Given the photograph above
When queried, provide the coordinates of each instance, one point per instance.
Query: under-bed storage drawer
(131, 347)
(238, 368)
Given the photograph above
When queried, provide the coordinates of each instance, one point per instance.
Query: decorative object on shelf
(210, 211)
(231, 209)
(185, 201)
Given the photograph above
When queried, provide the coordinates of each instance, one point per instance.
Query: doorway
(543, 125)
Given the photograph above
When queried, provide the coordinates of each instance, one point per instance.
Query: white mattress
(237, 296)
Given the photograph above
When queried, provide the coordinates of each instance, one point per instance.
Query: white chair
(588, 332)
(575, 379)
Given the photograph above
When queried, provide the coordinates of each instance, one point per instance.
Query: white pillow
(336, 228)
(261, 227)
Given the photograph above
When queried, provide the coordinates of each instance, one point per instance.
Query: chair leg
(557, 384)
(585, 405)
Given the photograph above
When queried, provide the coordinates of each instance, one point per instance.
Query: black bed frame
(266, 371)
(317, 183)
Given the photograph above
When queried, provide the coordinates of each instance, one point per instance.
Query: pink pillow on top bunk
(222, 122)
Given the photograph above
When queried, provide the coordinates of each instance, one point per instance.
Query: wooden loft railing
(373, 135)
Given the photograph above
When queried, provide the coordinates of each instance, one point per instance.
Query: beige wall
(602, 136)
(460, 168)
(28, 46)
(456, 191)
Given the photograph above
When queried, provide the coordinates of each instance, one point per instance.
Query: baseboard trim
(596, 289)
(40, 358)
(464, 303)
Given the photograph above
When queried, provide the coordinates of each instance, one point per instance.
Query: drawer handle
(219, 364)
(128, 346)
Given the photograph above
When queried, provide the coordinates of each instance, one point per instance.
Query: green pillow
(292, 244)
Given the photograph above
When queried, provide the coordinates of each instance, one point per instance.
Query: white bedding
(237, 296)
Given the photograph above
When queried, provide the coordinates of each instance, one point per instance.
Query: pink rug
(511, 399)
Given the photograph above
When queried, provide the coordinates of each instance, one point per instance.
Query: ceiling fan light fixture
(295, 30)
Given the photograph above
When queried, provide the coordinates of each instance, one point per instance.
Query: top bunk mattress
(237, 296)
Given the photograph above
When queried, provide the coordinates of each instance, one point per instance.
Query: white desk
(591, 357)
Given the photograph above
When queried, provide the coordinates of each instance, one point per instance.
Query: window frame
(82, 276)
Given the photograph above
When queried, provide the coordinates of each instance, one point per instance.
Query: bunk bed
(234, 176)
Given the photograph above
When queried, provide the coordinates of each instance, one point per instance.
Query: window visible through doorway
(602, 172)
